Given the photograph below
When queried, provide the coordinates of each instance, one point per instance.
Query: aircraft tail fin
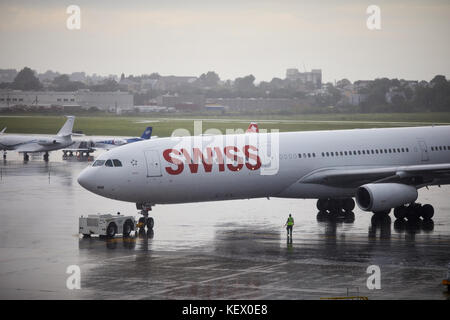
(253, 128)
(66, 129)
(4, 129)
(147, 133)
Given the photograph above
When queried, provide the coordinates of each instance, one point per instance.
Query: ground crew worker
(289, 225)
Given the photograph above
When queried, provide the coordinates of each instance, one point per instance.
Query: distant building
(172, 82)
(215, 107)
(246, 104)
(7, 75)
(394, 93)
(314, 77)
(182, 101)
(151, 109)
(350, 95)
(82, 98)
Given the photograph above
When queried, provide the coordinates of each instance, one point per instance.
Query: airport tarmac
(215, 250)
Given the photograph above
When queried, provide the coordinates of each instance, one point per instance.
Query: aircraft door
(424, 150)
(153, 163)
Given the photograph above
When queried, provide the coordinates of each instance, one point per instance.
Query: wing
(352, 177)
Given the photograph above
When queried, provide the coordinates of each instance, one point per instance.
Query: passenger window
(345, 152)
(117, 163)
(108, 163)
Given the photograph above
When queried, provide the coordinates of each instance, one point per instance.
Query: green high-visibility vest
(290, 221)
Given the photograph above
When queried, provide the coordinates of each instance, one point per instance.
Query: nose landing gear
(145, 221)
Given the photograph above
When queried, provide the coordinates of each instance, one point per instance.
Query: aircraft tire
(348, 205)
(427, 211)
(150, 223)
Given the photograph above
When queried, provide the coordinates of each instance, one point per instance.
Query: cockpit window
(98, 163)
(108, 163)
(117, 163)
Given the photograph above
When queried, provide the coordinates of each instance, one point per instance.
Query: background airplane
(26, 143)
(113, 142)
(87, 144)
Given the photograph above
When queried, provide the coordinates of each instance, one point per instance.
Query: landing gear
(145, 221)
(336, 208)
(414, 211)
(336, 205)
(46, 157)
(4, 155)
(26, 157)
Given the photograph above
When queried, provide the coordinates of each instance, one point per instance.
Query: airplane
(87, 144)
(383, 169)
(26, 144)
(113, 142)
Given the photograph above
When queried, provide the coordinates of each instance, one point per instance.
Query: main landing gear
(336, 208)
(414, 211)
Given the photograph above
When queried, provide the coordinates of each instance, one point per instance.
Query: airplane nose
(85, 179)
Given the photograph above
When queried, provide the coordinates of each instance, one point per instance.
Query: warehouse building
(85, 99)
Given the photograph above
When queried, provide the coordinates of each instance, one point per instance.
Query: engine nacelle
(384, 196)
(47, 142)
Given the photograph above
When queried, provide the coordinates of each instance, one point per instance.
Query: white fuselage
(171, 170)
(34, 142)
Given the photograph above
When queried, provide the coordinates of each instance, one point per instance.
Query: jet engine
(384, 196)
(47, 142)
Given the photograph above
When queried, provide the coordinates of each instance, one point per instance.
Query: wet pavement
(216, 250)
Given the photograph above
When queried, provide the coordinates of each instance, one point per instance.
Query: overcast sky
(233, 38)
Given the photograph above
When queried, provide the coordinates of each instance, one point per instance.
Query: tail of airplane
(66, 129)
(4, 129)
(253, 128)
(147, 133)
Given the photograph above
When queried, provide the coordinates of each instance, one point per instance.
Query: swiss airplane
(381, 168)
(26, 143)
